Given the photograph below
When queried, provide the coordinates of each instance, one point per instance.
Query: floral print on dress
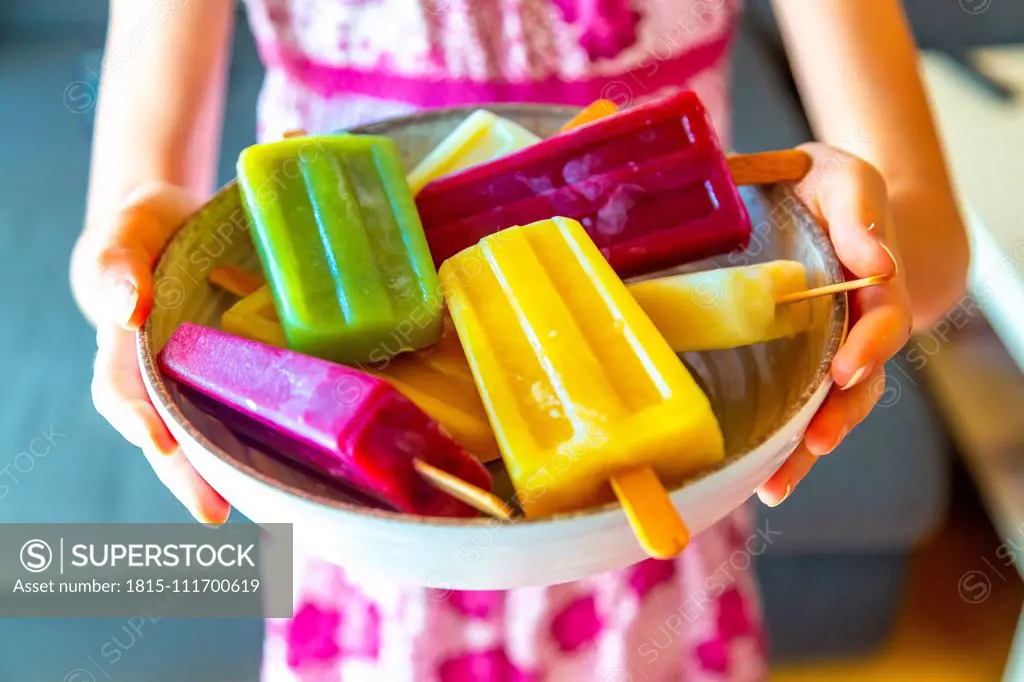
(481, 666)
(553, 47)
(311, 636)
(607, 27)
(695, 618)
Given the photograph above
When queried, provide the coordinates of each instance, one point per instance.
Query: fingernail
(776, 503)
(205, 520)
(204, 517)
(855, 378)
(129, 300)
(167, 449)
(124, 298)
(843, 433)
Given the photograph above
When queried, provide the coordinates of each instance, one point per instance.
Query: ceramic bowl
(764, 396)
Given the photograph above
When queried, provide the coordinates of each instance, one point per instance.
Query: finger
(180, 477)
(160, 206)
(126, 287)
(850, 198)
(120, 396)
(144, 223)
(782, 483)
(883, 326)
(841, 412)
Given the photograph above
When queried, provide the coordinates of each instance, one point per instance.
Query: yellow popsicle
(483, 136)
(726, 308)
(254, 317)
(438, 380)
(577, 381)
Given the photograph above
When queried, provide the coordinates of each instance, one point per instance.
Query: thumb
(124, 256)
(126, 286)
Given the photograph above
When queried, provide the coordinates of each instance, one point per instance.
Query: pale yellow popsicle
(483, 136)
(726, 308)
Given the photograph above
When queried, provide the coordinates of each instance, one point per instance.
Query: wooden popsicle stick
(655, 521)
(765, 168)
(852, 285)
(478, 498)
(235, 280)
(594, 111)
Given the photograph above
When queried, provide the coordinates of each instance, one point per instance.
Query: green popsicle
(341, 243)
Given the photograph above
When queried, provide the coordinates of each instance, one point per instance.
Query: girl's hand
(849, 197)
(113, 282)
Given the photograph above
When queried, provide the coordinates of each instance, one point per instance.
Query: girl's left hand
(850, 199)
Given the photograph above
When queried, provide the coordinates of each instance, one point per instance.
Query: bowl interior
(754, 390)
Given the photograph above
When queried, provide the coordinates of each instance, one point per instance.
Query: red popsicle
(337, 420)
(650, 185)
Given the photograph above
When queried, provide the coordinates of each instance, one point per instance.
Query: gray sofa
(831, 581)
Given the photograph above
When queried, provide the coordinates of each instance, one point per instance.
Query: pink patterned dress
(336, 63)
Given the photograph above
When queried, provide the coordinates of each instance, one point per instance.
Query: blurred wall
(938, 24)
(53, 14)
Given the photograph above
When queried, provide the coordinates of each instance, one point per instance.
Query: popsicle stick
(235, 280)
(298, 132)
(830, 289)
(655, 521)
(839, 288)
(787, 165)
(594, 111)
(478, 498)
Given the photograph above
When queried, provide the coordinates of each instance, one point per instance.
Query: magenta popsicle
(339, 421)
(650, 185)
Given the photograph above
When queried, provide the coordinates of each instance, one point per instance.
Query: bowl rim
(159, 391)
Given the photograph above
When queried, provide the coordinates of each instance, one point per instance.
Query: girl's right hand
(112, 278)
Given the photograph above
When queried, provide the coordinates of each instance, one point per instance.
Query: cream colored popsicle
(726, 308)
(483, 136)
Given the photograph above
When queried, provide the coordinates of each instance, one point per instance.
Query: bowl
(763, 395)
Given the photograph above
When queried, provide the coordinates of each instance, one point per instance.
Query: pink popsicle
(340, 421)
(650, 185)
